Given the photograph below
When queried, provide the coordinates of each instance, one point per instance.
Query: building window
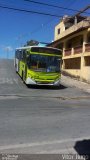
(58, 30)
(81, 41)
(69, 45)
(88, 38)
(87, 61)
(73, 63)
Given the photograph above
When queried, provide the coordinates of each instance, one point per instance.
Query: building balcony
(67, 52)
(73, 51)
(87, 47)
(78, 49)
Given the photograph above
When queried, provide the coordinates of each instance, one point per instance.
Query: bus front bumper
(30, 81)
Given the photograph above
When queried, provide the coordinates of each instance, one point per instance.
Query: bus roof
(29, 47)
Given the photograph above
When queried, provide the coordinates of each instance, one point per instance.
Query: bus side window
(19, 54)
(16, 54)
(28, 60)
(24, 55)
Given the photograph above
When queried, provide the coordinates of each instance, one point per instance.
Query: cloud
(6, 48)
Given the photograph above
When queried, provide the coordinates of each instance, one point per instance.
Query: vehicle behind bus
(39, 65)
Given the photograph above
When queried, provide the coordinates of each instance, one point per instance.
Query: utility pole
(7, 49)
(7, 52)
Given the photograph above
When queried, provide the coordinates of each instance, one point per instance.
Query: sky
(16, 27)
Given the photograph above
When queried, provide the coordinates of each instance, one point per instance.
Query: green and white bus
(39, 65)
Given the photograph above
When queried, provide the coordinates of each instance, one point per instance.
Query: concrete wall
(60, 26)
(71, 30)
(72, 72)
(86, 74)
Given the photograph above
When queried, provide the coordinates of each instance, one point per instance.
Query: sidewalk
(71, 146)
(75, 83)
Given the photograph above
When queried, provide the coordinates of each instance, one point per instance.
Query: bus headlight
(30, 76)
(57, 82)
(30, 81)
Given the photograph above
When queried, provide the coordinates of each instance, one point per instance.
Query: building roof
(78, 23)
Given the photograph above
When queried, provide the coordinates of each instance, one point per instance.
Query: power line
(41, 27)
(29, 11)
(55, 6)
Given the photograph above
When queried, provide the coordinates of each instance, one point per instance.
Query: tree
(32, 43)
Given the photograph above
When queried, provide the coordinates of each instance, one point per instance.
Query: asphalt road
(40, 119)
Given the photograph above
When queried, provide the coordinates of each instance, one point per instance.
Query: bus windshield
(43, 63)
(46, 50)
